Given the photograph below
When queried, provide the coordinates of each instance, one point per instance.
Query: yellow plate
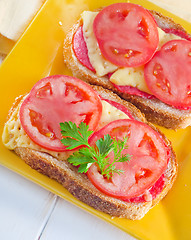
(37, 54)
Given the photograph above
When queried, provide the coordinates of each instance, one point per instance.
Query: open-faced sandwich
(139, 54)
(98, 146)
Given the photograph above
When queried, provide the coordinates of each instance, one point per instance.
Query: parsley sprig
(85, 156)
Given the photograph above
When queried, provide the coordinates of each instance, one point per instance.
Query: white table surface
(29, 212)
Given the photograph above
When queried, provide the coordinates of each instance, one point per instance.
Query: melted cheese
(133, 77)
(15, 136)
(101, 65)
(165, 37)
(110, 113)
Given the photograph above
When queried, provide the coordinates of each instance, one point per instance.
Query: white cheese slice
(101, 65)
(15, 15)
(110, 113)
(165, 37)
(15, 136)
(133, 77)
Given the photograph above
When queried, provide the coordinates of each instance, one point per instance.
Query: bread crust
(154, 110)
(80, 186)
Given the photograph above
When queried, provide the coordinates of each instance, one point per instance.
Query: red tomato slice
(127, 34)
(57, 99)
(168, 74)
(148, 162)
(80, 49)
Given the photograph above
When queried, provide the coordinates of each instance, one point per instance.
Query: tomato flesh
(149, 158)
(57, 99)
(150, 193)
(126, 33)
(168, 74)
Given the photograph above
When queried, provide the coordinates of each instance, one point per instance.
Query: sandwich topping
(171, 83)
(148, 159)
(120, 41)
(98, 153)
(53, 100)
(123, 157)
(14, 134)
(138, 33)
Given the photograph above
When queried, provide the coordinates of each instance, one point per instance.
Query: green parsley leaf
(83, 168)
(84, 157)
(118, 148)
(104, 145)
(74, 136)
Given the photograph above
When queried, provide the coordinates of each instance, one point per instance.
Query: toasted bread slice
(155, 110)
(56, 167)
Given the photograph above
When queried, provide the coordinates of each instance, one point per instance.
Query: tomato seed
(172, 48)
(188, 91)
(49, 134)
(115, 51)
(127, 55)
